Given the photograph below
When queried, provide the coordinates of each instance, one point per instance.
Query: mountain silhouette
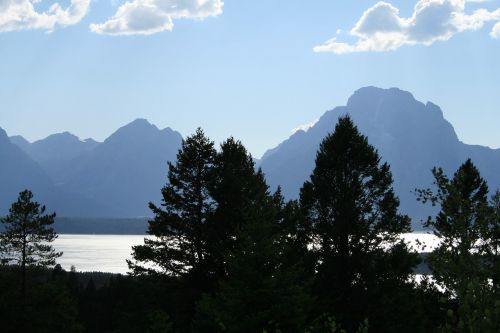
(57, 154)
(118, 177)
(128, 169)
(21, 142)
(19, 172)
(411, 136)
(122, 174)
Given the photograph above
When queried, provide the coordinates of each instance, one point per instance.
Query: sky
(255, 69)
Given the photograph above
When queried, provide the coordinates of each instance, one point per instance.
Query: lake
(107, 253)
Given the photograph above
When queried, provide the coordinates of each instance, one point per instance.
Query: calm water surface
(107, 253)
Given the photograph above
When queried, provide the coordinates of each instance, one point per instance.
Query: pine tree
(492, 243)
(465, 227)
(26, 238)
(352, 214)
(234, 187)
(459, 224)
(256, 290)
(180, 246)
(260, 294)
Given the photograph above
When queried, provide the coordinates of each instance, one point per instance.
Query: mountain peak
(138, 129)
(412, 136)
(375, 95)
(19, 138)
(21, 142)
(138, 125)
(140, 122)
(59, 137)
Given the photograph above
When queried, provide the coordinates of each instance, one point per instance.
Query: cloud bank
(381, 28)
(18, 15)
(146, 17)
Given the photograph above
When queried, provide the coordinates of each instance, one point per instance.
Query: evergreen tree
(180, 246)
(27, 235)
(460, 263)
(460, 223)
(492, 243)
(352, 213)
(261, 294)
(256, 290)
(234, 188)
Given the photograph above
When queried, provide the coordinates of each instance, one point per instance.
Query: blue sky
(251, 69)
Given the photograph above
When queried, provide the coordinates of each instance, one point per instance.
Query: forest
(230, 255)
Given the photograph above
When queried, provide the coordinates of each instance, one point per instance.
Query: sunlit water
(104, 253)
(107, 253)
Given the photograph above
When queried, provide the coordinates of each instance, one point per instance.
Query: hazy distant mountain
(18, 172)
(128, 169)
(122, 174)
(117, 178)
(21, 142)
(57, 154)
(413, 137)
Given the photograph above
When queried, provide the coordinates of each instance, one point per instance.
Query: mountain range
(411, 136)
(119, 176)
(115, 178)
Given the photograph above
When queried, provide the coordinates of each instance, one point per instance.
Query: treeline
(229, 255)
(101, 226)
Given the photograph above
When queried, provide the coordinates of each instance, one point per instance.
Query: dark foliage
(180, 246)
(261, 293)
(226, 255)
(467, 258)
(352, 215)
(27, 234)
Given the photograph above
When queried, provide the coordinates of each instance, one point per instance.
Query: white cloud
(146, 17)
(495, 32)
(21, 15)
(381, 28)
(478, 1)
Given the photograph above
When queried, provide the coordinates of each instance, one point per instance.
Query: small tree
(27, 235)
(492, 242)
(460, 225)
(468, 233)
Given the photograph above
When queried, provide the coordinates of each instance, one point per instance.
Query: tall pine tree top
(349, 199)
(351, 212)
(180, 224)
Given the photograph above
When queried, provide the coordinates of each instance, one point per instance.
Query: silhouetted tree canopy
(225, 254)
(180, 246)
(261, 293)
(354, 227)
(27, 235)
(461, 265)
